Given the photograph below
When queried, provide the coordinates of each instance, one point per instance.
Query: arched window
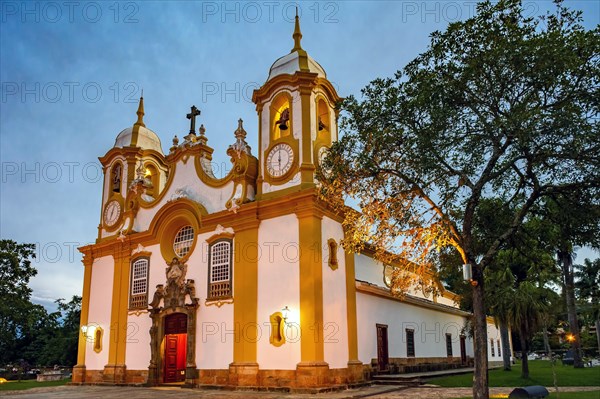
(115, 177)
(138, 298)
(219, 270)
(151, 173)
(281, 116)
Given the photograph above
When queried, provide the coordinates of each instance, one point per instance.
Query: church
(240, 280)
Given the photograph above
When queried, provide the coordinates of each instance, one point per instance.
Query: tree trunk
(598, 334)
(480, 375)
(506, 352)
(524, 360)
(566, 261)
(546, 340)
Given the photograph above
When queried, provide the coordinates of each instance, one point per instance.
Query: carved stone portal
(172, 296)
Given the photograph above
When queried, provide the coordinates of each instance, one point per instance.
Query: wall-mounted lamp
(467, 272)
(285, 312)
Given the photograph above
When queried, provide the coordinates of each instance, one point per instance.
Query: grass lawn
(28, 384)
(563, 395)
(577, 395)
(540, 373)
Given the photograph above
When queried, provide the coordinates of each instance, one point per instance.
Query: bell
(321, 124)
(283, 119)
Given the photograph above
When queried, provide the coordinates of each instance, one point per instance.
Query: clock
(112, 213)
(387, 275)
(321, 155)
(280, 160)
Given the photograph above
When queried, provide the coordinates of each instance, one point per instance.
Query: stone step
(404, 382)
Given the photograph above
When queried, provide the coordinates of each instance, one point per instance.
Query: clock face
(280, 160)
(322, 154)
(112, 212)
(387, 275)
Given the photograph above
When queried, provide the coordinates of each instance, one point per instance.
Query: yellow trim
(332, 259)
(351, 307)
(88, 260)
(277, 337)
(219, 236)
(172, 217)
(98, 334)
(307, 167)
(311, 285)
(120, 306)
(245, 291)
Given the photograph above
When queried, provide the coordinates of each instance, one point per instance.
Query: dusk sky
(71, 74)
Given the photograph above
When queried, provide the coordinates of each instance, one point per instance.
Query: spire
(297, 34)
(140, 113)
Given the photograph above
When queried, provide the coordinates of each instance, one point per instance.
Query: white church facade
(241, 280)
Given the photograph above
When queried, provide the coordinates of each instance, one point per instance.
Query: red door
(175, 347)
(171, 358)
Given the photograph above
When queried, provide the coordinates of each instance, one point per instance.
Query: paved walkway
(375, 392)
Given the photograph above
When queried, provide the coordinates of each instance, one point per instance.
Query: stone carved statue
(190, 290)
(177, 288)
(158, 296)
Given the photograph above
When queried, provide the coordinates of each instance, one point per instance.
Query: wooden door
(175, 347)
(382, 348)
(171, 358)
(463, 350)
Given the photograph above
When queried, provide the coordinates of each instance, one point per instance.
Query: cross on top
(192, 117)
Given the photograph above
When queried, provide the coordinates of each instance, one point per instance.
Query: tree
(587, 285)
(500, 105)
(15, 272)
(573, 220)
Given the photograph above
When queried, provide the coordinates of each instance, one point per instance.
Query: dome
(290, 64)
(297, 60)
(139, 135)
(146, 139)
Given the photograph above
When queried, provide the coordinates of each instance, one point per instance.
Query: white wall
(430, 327)
(186, 178)
(278, 286)
(137, 349)
(335, 321)
(100, 310)
(214, 328)
(371, 271)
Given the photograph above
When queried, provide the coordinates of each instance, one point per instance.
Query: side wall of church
(430, 328)
(335, 321)
(371, 271)
(278, 286)
(100, 310)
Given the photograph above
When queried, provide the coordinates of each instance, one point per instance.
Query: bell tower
(297, 117)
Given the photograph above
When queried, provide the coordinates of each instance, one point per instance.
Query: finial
(297, 34)
(175, 140)
(203, 139)
(140, 113)
(240, 133)
(140, 171)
